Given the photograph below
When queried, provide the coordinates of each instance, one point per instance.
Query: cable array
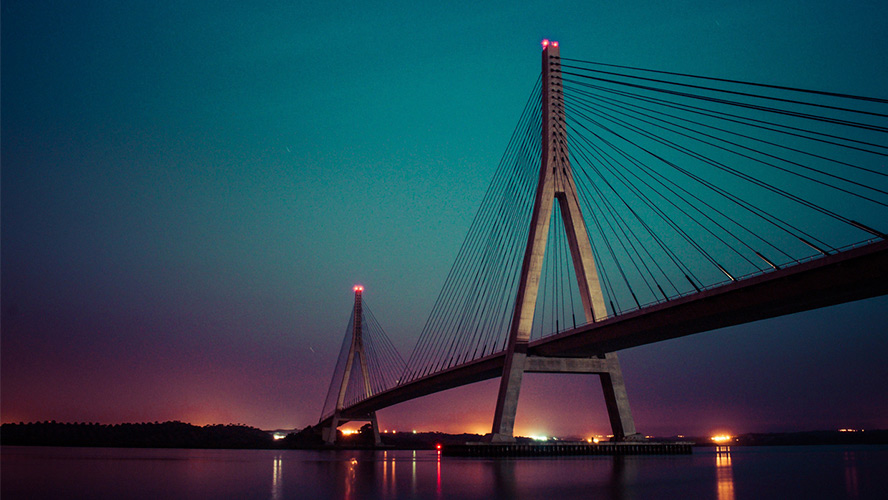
(685, 183)
(474, 306)
(690, 182)
(384, 363)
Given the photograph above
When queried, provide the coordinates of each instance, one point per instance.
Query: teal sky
(190, 190)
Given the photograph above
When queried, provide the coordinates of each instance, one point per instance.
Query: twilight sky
(190, 190)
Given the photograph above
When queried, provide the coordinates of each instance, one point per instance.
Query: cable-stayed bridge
(633, 206)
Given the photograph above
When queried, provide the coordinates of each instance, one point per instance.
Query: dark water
(723, 473)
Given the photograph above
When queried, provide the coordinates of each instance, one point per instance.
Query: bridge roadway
(854, 274)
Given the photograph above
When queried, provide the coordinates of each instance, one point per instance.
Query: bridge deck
(854, 274)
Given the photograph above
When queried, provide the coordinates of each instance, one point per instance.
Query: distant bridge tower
(355, 354)
(556, 183)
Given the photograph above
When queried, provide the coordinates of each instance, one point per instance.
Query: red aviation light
(545, 43)
(554, 44)
(358, 288)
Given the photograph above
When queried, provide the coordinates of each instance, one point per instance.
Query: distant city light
(850, 430)
(414, 431)
(722, 438)
(539, 438)
(349, 432)
(279, 435)
(438, 446)
(593, 440)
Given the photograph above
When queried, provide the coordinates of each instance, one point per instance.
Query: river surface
(723, 473)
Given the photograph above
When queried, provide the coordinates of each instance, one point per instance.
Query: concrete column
(329, 433)
(617, 400)
(507, 398)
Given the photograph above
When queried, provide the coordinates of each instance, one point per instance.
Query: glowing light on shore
(722, 438)
(539, 438)
(349, 432)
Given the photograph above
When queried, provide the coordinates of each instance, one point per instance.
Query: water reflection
(46, 472)
(623, 473)
(386, 488)
(389, 486)
(504, 477)
(350, 489)
(613, 477)
(276, 478)
(851, 487)
(724, 475)
(438, 490)
(393, 483)
(413, 477)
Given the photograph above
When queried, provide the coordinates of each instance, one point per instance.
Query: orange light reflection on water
(724, 475)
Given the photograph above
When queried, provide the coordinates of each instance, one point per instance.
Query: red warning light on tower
(545, 43)
(358, 288)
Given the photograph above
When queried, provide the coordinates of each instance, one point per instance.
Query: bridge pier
(329, 434)
(617, 401)
(507, 399)
(607, 368)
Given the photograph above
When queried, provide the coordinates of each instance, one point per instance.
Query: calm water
(724, 473)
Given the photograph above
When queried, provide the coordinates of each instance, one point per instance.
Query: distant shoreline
(183, 435)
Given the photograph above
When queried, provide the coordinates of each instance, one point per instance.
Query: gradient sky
(190, 190)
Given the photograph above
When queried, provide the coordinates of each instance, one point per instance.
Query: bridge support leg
(507, 399)
(617, 401)
(329, 433)
(374, 426)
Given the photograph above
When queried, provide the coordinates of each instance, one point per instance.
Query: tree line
(173, 434)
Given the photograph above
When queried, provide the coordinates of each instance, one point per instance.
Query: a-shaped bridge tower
(556, 184)
(357, 376)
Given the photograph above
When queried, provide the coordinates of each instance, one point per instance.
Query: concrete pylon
(556, 183)
(355, 354)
